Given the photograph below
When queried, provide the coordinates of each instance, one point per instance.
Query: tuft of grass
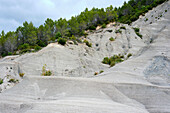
(129, 55)
(118, 31)
(112, 39)
(123, 27)
(137, 32)
(104, 26)
(112, 61)
(21, 75)
(1, 80)
(61, 41)
(46, 72)
(87, 43)
(101, 71)
(96, 73)
(13, 81)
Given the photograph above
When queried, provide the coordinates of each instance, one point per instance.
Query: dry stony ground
(140, 84)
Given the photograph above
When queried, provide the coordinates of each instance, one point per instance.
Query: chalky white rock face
(140, 84)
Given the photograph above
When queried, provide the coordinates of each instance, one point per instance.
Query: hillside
(139, 84)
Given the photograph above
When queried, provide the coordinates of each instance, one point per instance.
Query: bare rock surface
(140, 84)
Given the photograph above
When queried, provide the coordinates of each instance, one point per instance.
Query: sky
(14, 12)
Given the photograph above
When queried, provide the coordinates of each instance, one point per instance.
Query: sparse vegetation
(165, 10)
(118, 31)
(1, 81)
(137, 32)
(13, 81)
(129, 55)
(87, 43)
(123, 27)
(62, 41)
(96, 73)
(21, 75)
(146, 19)
(101, 71)
(112, 61)
(46, 72)
(112, 39)
(104, 26)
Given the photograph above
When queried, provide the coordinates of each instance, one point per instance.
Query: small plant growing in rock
(87, 43)
(21, 75)
(104, 26)
(112, 39)
(118, 31)
(129, 55)
(165, 10)
(13, 81)
(96, 73)
(1, 80)
(137, 32)
(123, 27)
(146, 19)
(62, 41)
(46, 72)
(101, 71)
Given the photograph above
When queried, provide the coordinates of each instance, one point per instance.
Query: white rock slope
(140, 84)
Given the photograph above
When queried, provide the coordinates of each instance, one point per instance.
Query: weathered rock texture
(140, 84)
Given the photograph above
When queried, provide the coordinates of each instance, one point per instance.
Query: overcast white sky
(14, 12)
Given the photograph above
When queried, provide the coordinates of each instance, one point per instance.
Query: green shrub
(137, 32)
(24, 46)
(165, 10)
(21, 75)
(46, 72)
(62, 41)
(1, 80)
(9, 53)
(139, 35)
(37, 48)
(25, 51)
(112, 39)
(106, 60)
(118, 31)
(129, 55)
(41, 43)
(146, 19)
(123, 27)
(92, 28)
(87, 43)
(104, 26)
(101, 71)
(58, 35)
(96, 73)
(112, 61)
(136, 29)
(13, 81)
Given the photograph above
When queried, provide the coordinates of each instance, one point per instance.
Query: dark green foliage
(112, 61)
(13, 81)
(165, 10)
(58, 35)
(24, 46)
(104, 26)
(92, 28)
(9, 53)
(37, 48)
(118, 31)
(112, 39)
(62, 41)
(123, 27)
(146, 19)
(137, 32)
(129, 55)
(136, 29)
(1, 81)
(87, 43)
(101, 71)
